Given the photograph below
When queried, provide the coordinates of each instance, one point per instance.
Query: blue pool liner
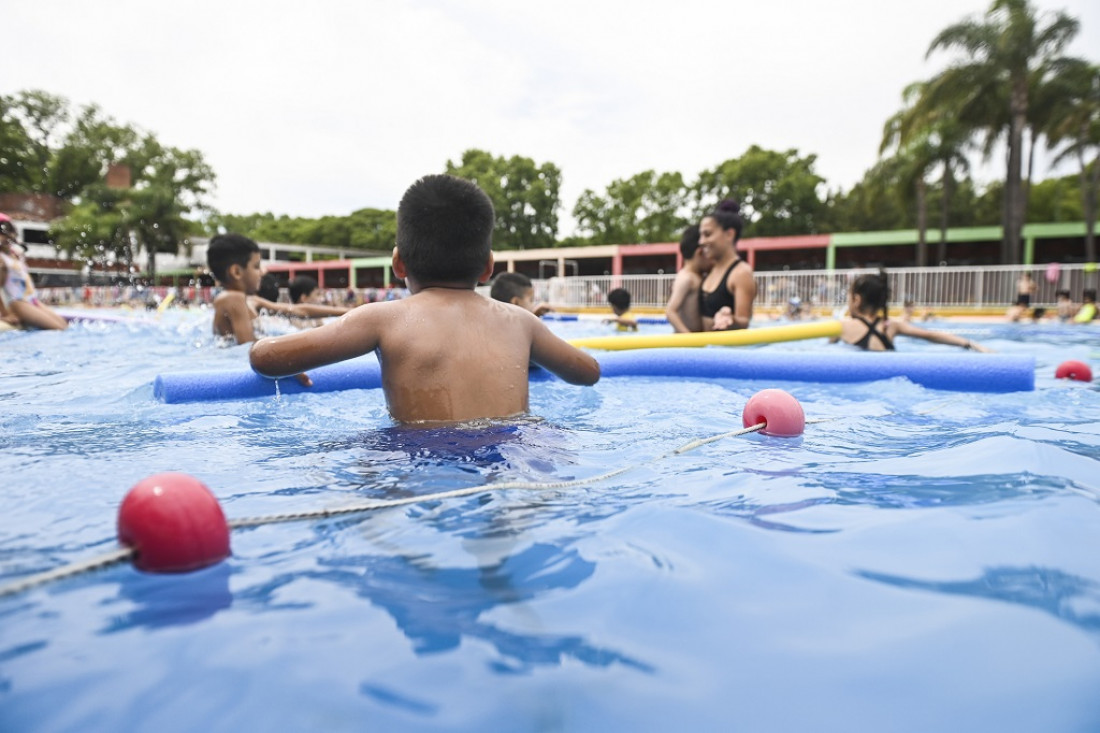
(961, 372)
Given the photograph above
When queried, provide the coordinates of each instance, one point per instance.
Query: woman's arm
(743, 286)
(907, 329)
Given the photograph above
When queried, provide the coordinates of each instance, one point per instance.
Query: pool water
(918, 560)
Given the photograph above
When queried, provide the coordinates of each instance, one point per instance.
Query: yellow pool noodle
(741, 337)
(166, 302)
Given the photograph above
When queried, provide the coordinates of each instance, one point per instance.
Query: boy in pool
(447, 354)
(234, 260)
(1066, 306)
(306, 308)
(867, 309)
(619, 300)
(1087, 312)
(682, 309)
(517, 289)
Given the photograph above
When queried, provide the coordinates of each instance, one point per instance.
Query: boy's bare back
(447, 354)
(233, 316)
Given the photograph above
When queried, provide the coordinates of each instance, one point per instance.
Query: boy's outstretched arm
(305, 310)
(566, 361)
(346, 338)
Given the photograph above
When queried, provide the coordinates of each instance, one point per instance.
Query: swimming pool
(918, 560)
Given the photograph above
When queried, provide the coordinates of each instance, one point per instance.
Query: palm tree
(1002, 53)
(1075, 122)
(926, 138)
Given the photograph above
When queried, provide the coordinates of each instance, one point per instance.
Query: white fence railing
(951, 287)
(943, 287)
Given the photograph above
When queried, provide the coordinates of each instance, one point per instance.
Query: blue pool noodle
(960, 372)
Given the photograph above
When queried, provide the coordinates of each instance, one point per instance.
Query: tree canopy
(1007, 82)
(67, 155)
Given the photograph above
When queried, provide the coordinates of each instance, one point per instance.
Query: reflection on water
(1046, 589)
(438, 608)
(169, 600)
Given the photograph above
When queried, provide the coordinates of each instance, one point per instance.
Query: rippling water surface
(918, 560)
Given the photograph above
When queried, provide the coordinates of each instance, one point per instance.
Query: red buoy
(173, 523)
(780, 411)
(1074, 369)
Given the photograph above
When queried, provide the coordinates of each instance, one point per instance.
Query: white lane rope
(125, 553)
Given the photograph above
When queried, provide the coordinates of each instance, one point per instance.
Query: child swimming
(868, 326)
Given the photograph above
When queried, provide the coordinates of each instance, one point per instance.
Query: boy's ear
(398, 265)
(487, 273)
(234, 272)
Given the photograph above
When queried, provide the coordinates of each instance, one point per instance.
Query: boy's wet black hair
(1061, 294)
(269, 288)
(873, 290)
(300, 287)
(1089, 295)
(728, 215)
(445, 230)
(689, 242)
(226, 250)
(619, 298)
(508, 285)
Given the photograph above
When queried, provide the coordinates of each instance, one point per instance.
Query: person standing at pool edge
(728, 291)
(447, 354)
(868, 301)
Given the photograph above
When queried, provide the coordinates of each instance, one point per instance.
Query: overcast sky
(326, 107)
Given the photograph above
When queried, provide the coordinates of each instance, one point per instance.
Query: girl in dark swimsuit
(869, 327)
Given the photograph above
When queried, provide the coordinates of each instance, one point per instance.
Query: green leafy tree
(374, 229)
(872, 204)
(525, 196)
(1056, 200)
(780, 193)
(167, 185)
(40, 116)
(1002, 54)
(647, 207)
(20, 169)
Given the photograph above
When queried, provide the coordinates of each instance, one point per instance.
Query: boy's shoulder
(228, 296)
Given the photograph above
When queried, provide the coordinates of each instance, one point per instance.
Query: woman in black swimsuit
(728, 292)
(869, 327)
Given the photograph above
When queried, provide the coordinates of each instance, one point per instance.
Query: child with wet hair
(619, 300)
(682, 309)
(517, 289)
(447, 353)
(869, 327)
